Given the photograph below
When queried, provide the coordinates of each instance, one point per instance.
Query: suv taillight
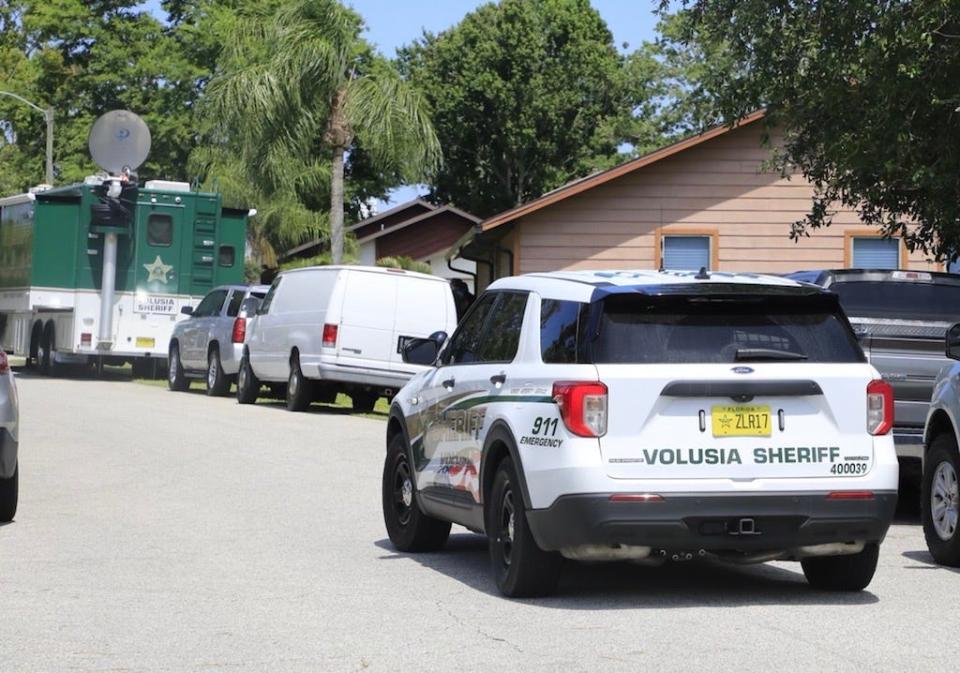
(879, 407)
(4, 363)
(239, 330)
(583, 406)
(329, 335)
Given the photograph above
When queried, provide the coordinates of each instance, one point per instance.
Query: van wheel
(299, 388)
(852, 572)
(409, 529)
(8, 496)
(941, 500)
(176, 379)
(217, 382)
(520, 567)
(364, 401)
(248, 387)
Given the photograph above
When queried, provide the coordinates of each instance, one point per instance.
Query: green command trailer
(85, 278)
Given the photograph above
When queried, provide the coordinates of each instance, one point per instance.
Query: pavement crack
(455, 617)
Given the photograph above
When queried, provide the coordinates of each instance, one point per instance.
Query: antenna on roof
(702, 274)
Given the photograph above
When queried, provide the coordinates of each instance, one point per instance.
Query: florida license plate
(747, 420)
(146, 342)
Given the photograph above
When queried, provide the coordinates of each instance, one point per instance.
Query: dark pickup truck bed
(901, 318)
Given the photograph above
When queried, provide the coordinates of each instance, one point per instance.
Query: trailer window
(159, 229)
(227, 255)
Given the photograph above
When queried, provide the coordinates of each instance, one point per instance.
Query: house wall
(423, 238)
(717, 188)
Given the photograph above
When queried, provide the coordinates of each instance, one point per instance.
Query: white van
(327, 329)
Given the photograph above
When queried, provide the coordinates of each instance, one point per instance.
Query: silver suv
(210, 342)
(9, 419)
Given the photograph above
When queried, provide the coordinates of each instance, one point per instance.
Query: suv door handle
(449, 383)
(498, 379)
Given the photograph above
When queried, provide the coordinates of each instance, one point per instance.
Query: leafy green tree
(527, 94)
(866, 93)
(84, 59)
(298, 89)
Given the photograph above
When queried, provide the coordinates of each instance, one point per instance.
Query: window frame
(850, 237)
(226, 294)
(498, 294)
(713, 236)
(264, 307)
(164, 216)
(233, 256)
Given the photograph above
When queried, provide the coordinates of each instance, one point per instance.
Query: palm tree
(302, 84)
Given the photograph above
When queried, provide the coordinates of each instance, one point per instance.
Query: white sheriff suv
(646, 416)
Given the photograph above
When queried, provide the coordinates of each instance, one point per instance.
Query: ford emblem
(743, 370)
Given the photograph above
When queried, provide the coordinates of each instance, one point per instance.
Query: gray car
(209, 344)
(9, 439)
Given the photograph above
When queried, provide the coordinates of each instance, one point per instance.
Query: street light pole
(48, 117)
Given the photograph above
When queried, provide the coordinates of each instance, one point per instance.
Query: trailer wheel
(176, 379)
(36, 334)
(45, 357)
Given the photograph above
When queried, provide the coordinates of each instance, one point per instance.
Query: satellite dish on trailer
(119, 140)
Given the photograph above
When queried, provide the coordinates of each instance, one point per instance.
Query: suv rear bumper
(711, 522)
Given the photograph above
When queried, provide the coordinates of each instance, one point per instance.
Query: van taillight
(4, 363)
(239, 330)
(583, 406)
(879, 407)
(329, 336)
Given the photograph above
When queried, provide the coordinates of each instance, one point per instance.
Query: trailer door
(159, 241)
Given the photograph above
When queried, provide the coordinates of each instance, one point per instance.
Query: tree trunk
(336, 206)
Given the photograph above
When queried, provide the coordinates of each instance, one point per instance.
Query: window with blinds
(686, 253)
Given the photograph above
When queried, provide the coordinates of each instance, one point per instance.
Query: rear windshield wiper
(766, 354)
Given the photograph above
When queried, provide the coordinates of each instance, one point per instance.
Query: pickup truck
(901, 319)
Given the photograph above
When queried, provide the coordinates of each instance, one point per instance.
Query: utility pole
(48, 117)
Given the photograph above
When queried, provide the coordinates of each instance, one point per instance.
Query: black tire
(941, 466)
(852, 572)
(176, 378)
(45, 359)
(9, 489)
(218, 384)
(364, 401)
(299, 388)
(248, 386)
(520, 567)
(36, 334)
(409, 529)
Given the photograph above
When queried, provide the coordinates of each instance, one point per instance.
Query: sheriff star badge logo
(158, 270)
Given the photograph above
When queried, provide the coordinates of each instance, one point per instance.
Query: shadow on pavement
(926, 560)
(627, 586)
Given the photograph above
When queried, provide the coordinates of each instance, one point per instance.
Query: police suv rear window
(699, 329)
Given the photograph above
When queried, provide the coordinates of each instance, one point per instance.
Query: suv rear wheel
(8, 496)
(176, 379)
(409, 529)
(941, 500)
(520, 567)
(852, 572)
(217, 382)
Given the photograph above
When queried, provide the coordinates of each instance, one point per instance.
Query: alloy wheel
(403, 491)
(506, 525)
(945, 501)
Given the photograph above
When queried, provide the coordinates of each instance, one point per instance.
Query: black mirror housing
(424, 351)
(186, 310)
(952, 345)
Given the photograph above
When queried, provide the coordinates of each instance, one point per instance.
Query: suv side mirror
(424, 351)
(186, 310)
(953, 342)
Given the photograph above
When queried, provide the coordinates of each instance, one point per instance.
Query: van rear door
(365, 335)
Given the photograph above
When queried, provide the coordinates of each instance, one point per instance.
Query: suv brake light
(583, 406)
(239, 330)
(879, 407)
(329, 335)
(4, 363)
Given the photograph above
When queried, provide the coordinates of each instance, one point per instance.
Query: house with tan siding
(704, 201)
